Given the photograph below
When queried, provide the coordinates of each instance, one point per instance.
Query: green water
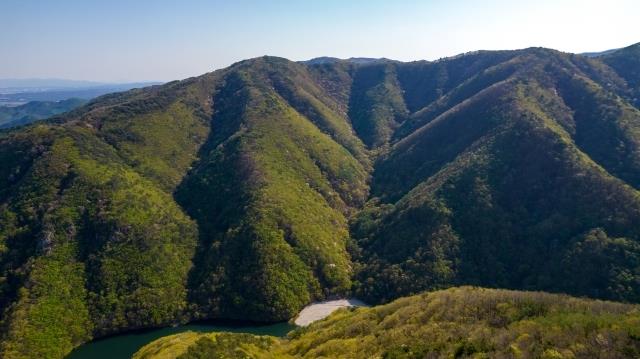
(125, 345)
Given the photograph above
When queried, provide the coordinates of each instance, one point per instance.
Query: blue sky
(135, 40)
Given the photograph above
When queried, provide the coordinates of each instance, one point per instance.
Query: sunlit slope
(456, 323)
(250, 191)
(529, 183)
(95, 242)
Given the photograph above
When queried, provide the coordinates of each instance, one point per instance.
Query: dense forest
(455, 323)
(250, 191)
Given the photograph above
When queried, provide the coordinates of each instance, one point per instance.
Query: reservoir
(123, 346)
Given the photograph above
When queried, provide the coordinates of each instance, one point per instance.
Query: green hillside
(626, 62)
(456, 323)
(248, 192)
(270, 193)
(524, 185)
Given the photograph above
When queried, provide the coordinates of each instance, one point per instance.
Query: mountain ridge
(248, 192)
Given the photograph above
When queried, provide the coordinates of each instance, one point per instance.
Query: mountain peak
(249, 192)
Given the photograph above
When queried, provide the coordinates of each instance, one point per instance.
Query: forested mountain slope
(527, 183)
(455, 323)
(250, 191)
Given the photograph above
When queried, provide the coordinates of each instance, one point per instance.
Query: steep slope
(376, 106)
(520, 185)
(250, 191)
(270, 194)
(626, 62)
(94, 242)
(456, 323)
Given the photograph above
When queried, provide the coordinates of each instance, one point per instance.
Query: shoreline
(320, 310)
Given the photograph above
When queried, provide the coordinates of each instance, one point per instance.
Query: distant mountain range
(26, 100)
(11, 116)
(248, 192)
(15, 92)
(49, 83)
(34, 85)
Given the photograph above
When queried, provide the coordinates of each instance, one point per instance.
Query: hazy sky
(134, 40)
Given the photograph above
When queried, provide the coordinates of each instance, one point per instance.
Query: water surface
(125, 345)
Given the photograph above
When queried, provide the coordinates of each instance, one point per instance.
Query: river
(123, 346)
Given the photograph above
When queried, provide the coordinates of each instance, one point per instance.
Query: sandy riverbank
(321, 310)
